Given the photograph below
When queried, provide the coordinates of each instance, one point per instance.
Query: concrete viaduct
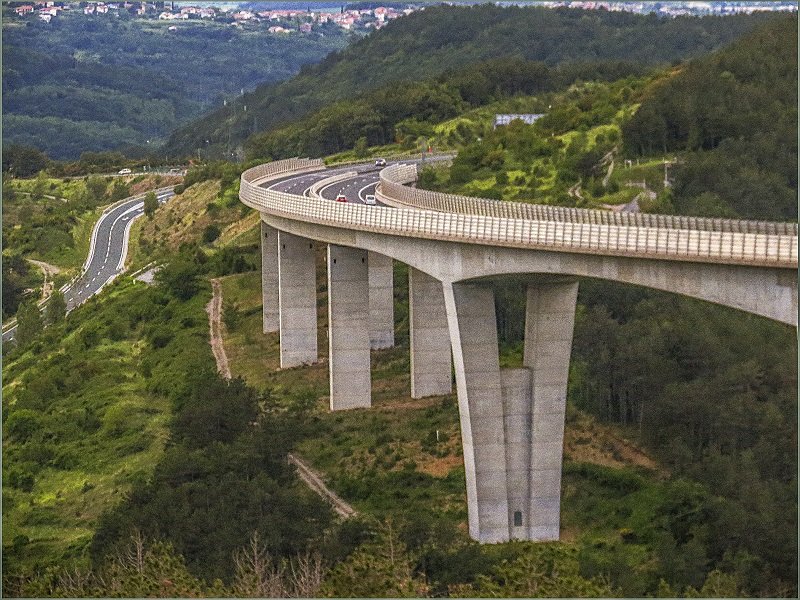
(512, 420)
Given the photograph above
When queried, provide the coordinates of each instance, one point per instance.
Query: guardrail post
(297, 292)
(269, 279)
(348, 328)
(431, 373)
(381, 301)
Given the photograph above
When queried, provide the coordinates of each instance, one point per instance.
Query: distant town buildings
(311, 19)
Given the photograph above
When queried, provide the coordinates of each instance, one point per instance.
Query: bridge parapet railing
(697, 245)
(393, 187)
(289, 165)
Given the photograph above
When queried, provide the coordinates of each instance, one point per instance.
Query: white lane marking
(360, 192)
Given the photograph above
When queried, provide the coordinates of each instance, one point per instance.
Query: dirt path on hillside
(49, 272)
(214, 310)
(314, 481)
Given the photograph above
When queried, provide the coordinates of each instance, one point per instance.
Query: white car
(124, 171)
(370, 199)
(381, 162)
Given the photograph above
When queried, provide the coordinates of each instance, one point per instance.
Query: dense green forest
(93, 83)
(441, 38)
(732, 116)
(405, 114)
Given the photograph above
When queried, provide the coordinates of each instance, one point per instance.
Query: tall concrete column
(516, 393)
(348, 328)
(429, 337)
(549, 324)
(473, 334)
(269, 278)
(381, 301)
(297, 300)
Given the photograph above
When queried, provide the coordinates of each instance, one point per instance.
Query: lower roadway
(107, 253)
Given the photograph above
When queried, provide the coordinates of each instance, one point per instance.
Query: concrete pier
(348, 328)
(381, 301)
(297, 300)
(549, 324)
(429, 338)
(473, 333)
(269, 279)
(516, 393)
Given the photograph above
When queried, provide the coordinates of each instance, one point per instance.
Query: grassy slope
(182, 219)
(59, 514)
(98, 466)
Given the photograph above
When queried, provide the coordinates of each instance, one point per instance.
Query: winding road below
(107, 252)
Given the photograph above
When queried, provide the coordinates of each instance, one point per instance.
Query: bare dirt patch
(585, 440)
(214, 310)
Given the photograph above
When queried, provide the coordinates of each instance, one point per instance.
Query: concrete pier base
(549, 325)
(429, 337)
(269, 279)
(381, 301)
(297, 300)
(348, 328)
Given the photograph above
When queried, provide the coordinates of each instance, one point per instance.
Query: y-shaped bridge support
(512, 421)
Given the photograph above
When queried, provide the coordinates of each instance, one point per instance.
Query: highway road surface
(107, 253)
(354, 188)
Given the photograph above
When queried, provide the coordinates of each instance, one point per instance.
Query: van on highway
(370, 199)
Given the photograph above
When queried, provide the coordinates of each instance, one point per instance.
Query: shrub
(211, 233)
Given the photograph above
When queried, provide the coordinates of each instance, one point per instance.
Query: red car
(341, 198)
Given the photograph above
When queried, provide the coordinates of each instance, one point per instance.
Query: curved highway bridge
(512, 420)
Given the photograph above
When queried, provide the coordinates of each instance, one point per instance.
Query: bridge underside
(512, 420)
(764, 291)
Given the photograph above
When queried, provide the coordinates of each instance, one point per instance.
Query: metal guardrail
(692, 245)
(393, 189)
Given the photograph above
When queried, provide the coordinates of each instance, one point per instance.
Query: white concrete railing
(693, 245)
(289, 165)
(396, 193)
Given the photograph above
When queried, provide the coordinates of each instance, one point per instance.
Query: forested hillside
(733, 118)
(708, 390)
(92, 83)
(406, 114)
(442, 38)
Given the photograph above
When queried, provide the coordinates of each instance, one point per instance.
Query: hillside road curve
(107, 252)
